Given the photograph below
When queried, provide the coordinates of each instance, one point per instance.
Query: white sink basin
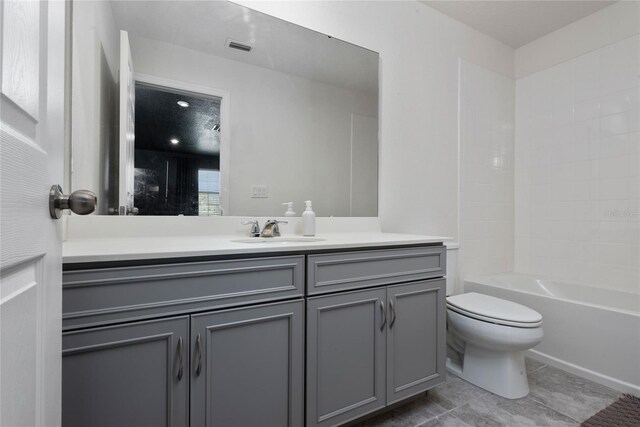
(279, 240)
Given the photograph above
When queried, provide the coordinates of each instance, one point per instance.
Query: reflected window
(209, 192)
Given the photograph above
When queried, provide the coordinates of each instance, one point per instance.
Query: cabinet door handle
(180, 352)
(198, 355)
(384, 316)
(392, 309)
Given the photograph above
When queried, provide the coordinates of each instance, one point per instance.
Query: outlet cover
(259, 192)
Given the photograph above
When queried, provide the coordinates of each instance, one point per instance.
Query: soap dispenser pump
(290, 212)
(308, 220)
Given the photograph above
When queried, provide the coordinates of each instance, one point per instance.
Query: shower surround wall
(486, 139)
(576, 172)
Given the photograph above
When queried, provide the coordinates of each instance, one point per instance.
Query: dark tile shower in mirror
(177, 152)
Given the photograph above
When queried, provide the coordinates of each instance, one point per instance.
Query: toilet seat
(494, 310)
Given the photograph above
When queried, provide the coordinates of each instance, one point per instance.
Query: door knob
(81, 202)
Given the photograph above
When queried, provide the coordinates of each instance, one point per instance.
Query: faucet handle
(255, 226)
(271, 228)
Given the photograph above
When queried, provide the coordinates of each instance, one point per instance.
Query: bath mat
(621, 413)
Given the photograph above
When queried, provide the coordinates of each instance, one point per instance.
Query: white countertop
(140, 248)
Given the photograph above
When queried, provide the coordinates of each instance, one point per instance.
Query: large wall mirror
(211, 108)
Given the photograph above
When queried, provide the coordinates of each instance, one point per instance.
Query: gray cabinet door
(346, 360)
(128, 375)
(415, 338)
(247, 366)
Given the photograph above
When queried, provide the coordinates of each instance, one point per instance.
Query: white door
(31, 160)
(127, 127)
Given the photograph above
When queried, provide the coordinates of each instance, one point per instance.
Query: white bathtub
(592, 332)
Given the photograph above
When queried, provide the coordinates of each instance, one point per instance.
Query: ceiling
(279, 45)
(517, 23)
(159, 119)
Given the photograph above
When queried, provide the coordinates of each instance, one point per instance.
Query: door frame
(225, 128)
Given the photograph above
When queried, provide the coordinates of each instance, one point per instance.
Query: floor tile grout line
(537, 369)
(468, 401)
(485, 393)
(554, 410)
(450, 411)
(460, 419)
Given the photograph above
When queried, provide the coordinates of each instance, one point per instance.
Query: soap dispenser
(289, 211)
(308, 220)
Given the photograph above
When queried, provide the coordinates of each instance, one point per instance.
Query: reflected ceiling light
(183, 104)
(174, 140)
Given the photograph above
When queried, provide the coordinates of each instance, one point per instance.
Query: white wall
(274, 141)
(419, 50)
(486, 172)
(94, 91)
(578, 152)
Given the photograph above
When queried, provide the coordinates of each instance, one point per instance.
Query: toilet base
(501, 373)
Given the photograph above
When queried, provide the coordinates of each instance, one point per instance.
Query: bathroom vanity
(290, 334)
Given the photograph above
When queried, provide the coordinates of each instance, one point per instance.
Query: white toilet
(486, 340)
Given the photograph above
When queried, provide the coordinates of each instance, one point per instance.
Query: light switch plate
(259, 192)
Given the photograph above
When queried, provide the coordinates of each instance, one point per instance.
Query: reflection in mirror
(211, 108)
(177, 152)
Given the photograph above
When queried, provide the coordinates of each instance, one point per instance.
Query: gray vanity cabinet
(232, 357)
(221, 342)
(131, 375)
(369, 349)
(247, 367)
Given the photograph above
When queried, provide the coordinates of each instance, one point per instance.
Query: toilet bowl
(486, 338)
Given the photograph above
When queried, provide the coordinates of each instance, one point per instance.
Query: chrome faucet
(271, 228)
(255, 227)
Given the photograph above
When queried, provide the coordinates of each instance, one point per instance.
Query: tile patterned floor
(557, 398)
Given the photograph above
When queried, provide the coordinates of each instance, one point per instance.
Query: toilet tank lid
(495, 308)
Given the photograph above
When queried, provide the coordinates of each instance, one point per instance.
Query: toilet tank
(452, 267)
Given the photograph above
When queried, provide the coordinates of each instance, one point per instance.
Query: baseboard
(610, 382)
